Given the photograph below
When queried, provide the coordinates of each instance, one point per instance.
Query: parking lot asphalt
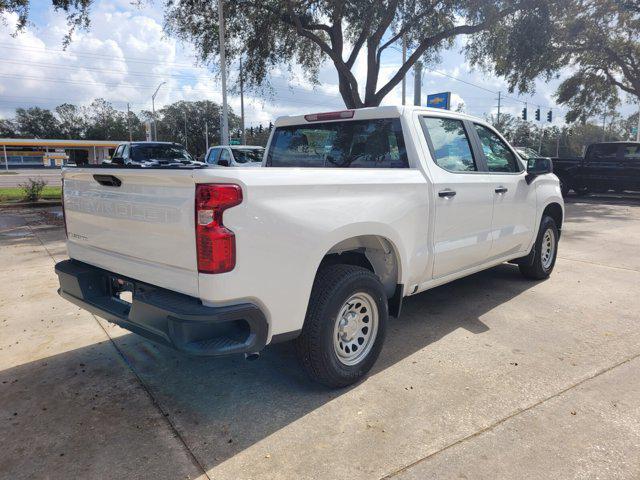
(489, 377)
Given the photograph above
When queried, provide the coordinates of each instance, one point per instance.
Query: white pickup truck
(351, 212)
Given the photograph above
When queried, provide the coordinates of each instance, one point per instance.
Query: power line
(110, 57)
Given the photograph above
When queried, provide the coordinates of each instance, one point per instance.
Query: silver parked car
(235, 156)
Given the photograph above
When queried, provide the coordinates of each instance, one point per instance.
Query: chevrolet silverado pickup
(351, 212)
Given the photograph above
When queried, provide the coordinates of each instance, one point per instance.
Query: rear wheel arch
(377, 254)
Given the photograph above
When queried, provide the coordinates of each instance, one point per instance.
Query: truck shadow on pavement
(219, 407)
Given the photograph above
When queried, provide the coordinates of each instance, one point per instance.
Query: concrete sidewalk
(490, 377)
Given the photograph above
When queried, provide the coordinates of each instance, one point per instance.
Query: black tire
(539, 269)
(333, 286)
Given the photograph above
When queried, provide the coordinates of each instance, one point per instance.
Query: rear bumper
(170, 318)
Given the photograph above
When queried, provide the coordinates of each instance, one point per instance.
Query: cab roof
(368, 113)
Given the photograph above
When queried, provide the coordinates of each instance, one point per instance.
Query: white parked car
(353, 211)
(235, 156)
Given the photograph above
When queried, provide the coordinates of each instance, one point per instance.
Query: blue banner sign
(439, 100)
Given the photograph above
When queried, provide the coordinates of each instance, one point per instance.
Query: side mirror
(538, 166)
(117, 160)
(223, 162)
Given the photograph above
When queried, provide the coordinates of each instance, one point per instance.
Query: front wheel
(545, 251)
(345, 325)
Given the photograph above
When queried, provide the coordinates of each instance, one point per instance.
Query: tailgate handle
(108, 180)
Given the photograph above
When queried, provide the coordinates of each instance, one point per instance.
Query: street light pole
(186, 140)
(243, 135)
(638, 131)
(129, 122)
(153, 111)
(223, 74)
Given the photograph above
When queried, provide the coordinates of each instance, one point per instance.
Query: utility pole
(541, 127)
(206, 137)
(540, 144)
(128, 121)
(558, 145)
(223, 74)
(499, 105)
(186, 139)
(6, 160)
(604, 124)
(243, 134)
(404, 77)
(638, 131)
(153, 111)
(417, 85)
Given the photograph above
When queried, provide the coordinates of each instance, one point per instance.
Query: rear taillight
(215, 244)
(64, 216)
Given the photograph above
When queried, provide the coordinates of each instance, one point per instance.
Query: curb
(55, 203)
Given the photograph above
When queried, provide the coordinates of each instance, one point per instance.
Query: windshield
(160, 152)
(246, 155)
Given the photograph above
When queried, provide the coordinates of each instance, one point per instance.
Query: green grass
(15, 194)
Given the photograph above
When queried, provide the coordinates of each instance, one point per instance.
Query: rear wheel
(345, 325)
(545, 251)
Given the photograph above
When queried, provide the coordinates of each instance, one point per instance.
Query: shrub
(33, 189)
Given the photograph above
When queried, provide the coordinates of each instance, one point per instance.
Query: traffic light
(270, 126)
(549, 116)
(524, 113)
(251, 131)
(538, 114)
(260, 128)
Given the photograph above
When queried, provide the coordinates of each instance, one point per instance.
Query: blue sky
(125, 54)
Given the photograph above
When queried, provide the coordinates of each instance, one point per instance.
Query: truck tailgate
(135, 222)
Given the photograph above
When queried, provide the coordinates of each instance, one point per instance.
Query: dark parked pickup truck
(605, 166)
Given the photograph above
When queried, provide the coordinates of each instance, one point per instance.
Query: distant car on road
(235, 156)
(149, 154)
(605, 166)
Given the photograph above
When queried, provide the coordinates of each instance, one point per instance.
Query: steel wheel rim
(548, 248)
(355, 329)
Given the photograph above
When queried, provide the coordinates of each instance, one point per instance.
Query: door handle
(108, 180)
(446, 193)
(502, 190)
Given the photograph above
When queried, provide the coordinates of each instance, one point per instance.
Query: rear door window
(450, 144)
(603, 152)
(351, 144)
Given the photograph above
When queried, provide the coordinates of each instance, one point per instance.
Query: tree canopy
(599, 40)
(275, 33)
